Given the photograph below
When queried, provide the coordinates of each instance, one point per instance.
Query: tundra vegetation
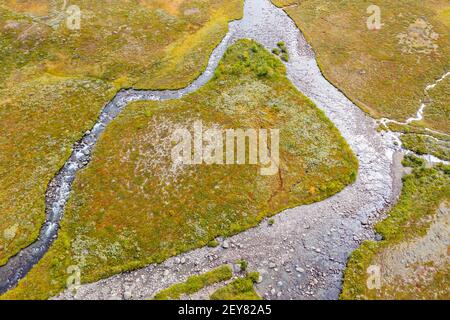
(412, 255)
(195, 283)
(132, 205)
(54, 81)
(385, 72)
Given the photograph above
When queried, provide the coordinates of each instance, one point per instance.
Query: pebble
(127, 295)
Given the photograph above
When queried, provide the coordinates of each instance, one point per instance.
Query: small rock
(300, 270)
(127, 295)
(260, 278)
(225, 245)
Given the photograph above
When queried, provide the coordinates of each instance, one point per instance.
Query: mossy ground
(54, 81)
(239, 289)
(131, 207)
(195, 283)
(424, 191)
(385, 72)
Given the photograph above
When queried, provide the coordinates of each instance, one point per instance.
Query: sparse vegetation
(239, 289)
(195, 283)
(131, 207)
(412, 161)
(424, 191)
(282, 46)
(437, 112)
(285, 57)
(213, 243)
(243, 264)
(281, 51)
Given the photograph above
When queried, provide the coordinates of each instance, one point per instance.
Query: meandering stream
(350, 213)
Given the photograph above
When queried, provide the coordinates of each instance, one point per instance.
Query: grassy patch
(131, 206)
(412, 161)
(386, 71)
(39, 122)
(437, 112)
(239, 289)
(55, 81)
(195, 283)
(423, 191)
(425, 144)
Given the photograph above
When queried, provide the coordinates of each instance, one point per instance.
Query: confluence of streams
(352, 212)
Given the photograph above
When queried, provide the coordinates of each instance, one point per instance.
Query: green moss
(239, 289)
(213, 243)
(195, 283)
(243, 265)
(285, 57)
(412, 161)
(282, 46)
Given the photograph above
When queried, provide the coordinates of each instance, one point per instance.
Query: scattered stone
(300, 270)
(127, 295)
